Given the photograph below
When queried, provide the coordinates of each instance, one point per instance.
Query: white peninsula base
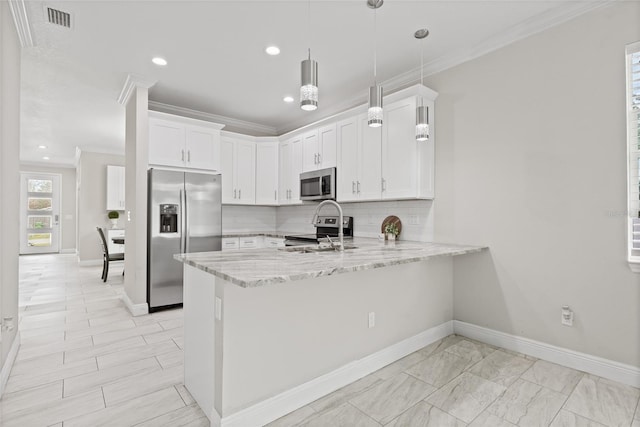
(262, 352)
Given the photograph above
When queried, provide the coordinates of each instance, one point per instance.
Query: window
(633, 137)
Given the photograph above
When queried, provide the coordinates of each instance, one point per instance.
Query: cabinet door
(267, 173)
(369, 165)
(115, 188)
(245, 172)
(310, 151)
(284, 167)
(296, 169)
(166, 143)
(400, 151)
(227, 169)
(347, 159)
(202, 148)
(327, 142)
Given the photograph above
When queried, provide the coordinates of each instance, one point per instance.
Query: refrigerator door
(203, 214)
(165, 238)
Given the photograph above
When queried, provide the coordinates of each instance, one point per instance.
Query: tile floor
(84, 361)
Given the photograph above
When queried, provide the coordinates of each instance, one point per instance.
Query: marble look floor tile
(96, 330)
(425, 415)
(635, 423)
(162, 335)
(42, 340)
(184, 393)
(555, 377)
(388, 399)
(136, 352)
(103, 349)
(604, 401)
(142, 383)
(109, 337)
(190, 415)
(172, 323)
(344, 415)
(342, 395)
(27, 399)
(53, 412)
(526, 403)
(440, 368)
(466, 396)
(29, 352)
(179, 342)
(400, 365)
(23, 382)
(487, 419)
(440, 345)
(294, 418)
(172, 358)
(131, 412)
(103, 377)
(501, 368)
(569, 419)
(473, 350)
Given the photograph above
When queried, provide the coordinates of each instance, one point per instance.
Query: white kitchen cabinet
(290, 165)
(250, 242)
(319, 148)
(114, 248)
(115, 188)
(230, 243)
(238, 168)
(273, 242)
(407, 164)
(267, 173)
(182, 142)
(359, 160)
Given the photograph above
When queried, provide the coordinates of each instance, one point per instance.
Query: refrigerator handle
(187, 232)
(182, 222)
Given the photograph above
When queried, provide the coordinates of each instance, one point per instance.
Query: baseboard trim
(8, 364)
(275, 407)
(616, 371)
(68, 251)
(134, 309)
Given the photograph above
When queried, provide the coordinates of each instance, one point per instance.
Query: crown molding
(231, 124)
(132, 82)
(21, 19)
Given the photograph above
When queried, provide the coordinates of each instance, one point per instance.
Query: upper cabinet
(267, 172)
(290, 164)
(238, 170)
(115, 188)
(183, 143)
(407, 164)
(319, 148)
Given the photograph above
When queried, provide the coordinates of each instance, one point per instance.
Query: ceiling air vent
(58, 17)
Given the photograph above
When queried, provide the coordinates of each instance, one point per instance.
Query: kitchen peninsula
(270, 330)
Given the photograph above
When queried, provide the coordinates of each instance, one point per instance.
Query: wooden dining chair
(106, 257)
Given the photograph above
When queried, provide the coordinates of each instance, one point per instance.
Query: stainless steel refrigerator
(185, 215)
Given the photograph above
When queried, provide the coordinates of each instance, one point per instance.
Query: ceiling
(217, 65)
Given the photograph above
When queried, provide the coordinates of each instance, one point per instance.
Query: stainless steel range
(325, 226)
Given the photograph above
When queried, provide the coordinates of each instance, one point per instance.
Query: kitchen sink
(314, 249)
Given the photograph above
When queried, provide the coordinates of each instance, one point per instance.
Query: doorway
(39, 213)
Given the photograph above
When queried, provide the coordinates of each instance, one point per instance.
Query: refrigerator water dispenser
(168, 218)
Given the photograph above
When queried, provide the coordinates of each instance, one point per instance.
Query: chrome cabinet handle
(189, 156)
(353, 187)
(235, 192)
(384, 184)
(240, 194)
(358, 187)
(315, 158)
(319, 158)
(182, 151)
(275, 194)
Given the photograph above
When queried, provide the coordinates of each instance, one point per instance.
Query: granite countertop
(259, 267)
(276, 234)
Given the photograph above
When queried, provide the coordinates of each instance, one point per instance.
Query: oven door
(318, 185)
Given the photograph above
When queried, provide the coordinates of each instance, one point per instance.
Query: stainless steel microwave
(318, 185)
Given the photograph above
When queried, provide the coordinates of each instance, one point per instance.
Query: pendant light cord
(375, 48)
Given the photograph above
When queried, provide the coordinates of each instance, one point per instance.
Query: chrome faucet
(340, 218)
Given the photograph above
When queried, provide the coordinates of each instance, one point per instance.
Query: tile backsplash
(416, 217)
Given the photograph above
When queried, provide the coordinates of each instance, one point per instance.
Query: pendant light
(374, 114)
(422, 111)
(309, 76)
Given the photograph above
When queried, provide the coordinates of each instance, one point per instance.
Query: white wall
(67, 203)
(92, 202)
(531, 161)
(9, 179)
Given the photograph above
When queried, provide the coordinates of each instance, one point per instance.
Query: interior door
(39, 213)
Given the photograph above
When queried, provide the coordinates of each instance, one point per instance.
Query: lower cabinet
(251, 242)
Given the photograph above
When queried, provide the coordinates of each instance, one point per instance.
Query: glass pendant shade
(309, 85)
(422, 123)
(374, 114)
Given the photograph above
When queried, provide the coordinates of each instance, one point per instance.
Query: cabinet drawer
(273, 242)
(249, 242)
(230, 243)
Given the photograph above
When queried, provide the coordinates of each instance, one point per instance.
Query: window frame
(633, 157)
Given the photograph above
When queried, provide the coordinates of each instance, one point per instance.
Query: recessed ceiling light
(288, 99)
(42, 147)
(45, 158)
(159, 61)
(273, 50)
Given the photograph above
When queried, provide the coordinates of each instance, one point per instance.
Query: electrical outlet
(372, 319)
(414, 220)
